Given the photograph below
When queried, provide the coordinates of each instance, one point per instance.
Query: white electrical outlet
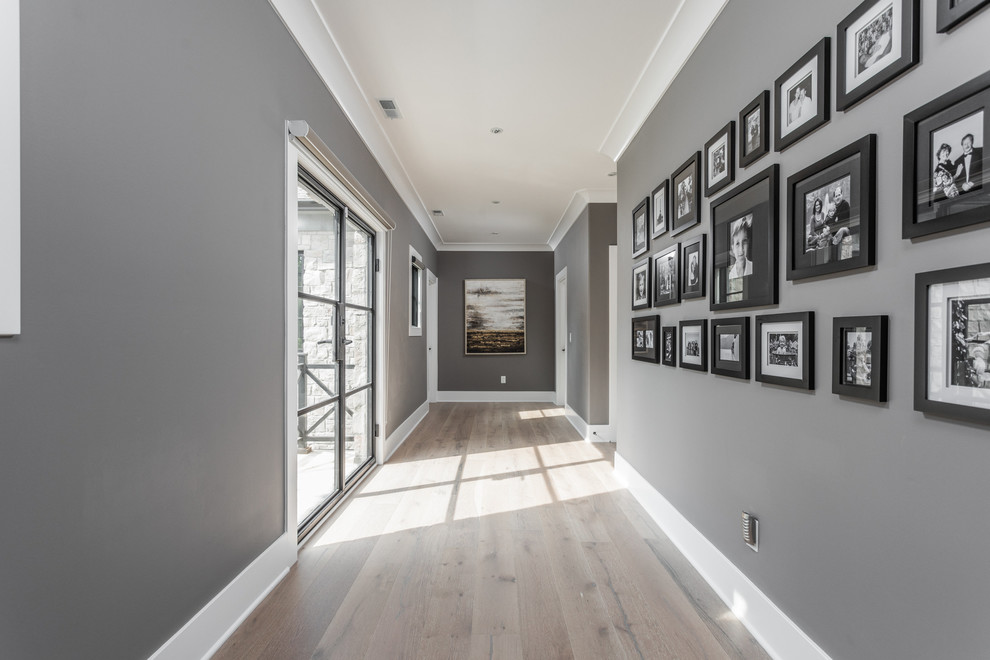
(503, 380)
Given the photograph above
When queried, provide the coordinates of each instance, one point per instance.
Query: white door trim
(560, 343)
(613, 340)
(432, 332)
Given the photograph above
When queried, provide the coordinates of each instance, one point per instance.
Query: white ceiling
(568, 81)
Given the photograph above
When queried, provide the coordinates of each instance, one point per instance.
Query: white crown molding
(494, 247)
(313, 36)
(579, 201)
(688, 27)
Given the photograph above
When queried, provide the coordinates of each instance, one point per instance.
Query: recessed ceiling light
(612, 173)
(495, 201)
(496, 130)
(494, 233)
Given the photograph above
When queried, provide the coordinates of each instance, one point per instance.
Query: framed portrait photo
(687, 195)
(754, 130)
(801, 97)
(666, 276)
(952, 343)
(831, 213)
(668, 345)
(645, 338)
(859, 357)
(730, 347)
(641, 284)
(693, 345)
(945, 182)
(950, 13)
(641, 228)
(785, 349)
(660, 207)
(744, 244)
(876, 43)
(693, 268)
(720, 158)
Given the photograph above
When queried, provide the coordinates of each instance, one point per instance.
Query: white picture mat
(852, 79)
(810, 68)
(694, 332)
(939, 298)
(793, 327)
(10, 170)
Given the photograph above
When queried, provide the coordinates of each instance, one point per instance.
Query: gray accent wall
(532, 372)
(584, 252)
(873, 517)
(142, 458)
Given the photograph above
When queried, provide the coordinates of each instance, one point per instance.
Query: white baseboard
(590, 432)
(400, 434)
(205, 633)
(778, 635)
(496, 397)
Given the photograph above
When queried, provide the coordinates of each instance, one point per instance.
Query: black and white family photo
(958, 158)
(874, 40)
(830, 227)
(692, 344)
(782, 349)
(685, 190)
(800, 102)
(970, 351)
(858, 351)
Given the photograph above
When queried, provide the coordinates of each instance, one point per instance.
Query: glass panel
(358, 268)
(357, 430)
(357, 356)
(316, 460)
(318, 245)
(317, 368)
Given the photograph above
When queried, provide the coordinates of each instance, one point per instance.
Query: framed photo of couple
(945, 183)
(686, 188)
(876, 43)
(801, 97)
(831, 213)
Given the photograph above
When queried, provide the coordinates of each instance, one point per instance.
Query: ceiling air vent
(390, 109)
(437, 213)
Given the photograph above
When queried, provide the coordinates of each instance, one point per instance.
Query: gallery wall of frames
(826, 227)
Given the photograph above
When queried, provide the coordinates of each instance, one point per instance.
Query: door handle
(346, 342)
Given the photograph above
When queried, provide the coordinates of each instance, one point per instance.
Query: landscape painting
(494, 317)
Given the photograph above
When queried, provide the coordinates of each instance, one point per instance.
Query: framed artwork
(801, 100)
(720, 159)
(950, 13)
(641, 284)
(831, 212)
(945, 181)
(754, 130)
(744, 244)
(640, 227)
(952, 343)
(687, 195)
(876, 43)
(668, 345)
(693, 268)
(660, 209)
(693, 343)
(859, 357)
(785, 349)
(730, 347)
(645, 338)
(495, 317)
(666, 280)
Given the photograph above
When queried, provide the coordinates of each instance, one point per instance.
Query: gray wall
(532, 372)
(142, 411)
(873, 516)
(584, 252)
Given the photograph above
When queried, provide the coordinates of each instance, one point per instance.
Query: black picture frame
(641, 290)
(685, 186)
(754, 130)
(667, 276)
(750, 212)
(938, 195)
(641, 228)
(693, 267)
(692, 340)
(668, 344)
(859, 357)
(785, 349)
(890, 34)
(646, 338)
(720, 159)
(831, 213)
(808, 77)
(950, 361)
(660, 209)
(730, 347)
(950, 13)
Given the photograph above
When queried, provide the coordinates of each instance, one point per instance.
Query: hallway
(494, 532)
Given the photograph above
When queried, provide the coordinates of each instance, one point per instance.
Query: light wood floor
(494, 532)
